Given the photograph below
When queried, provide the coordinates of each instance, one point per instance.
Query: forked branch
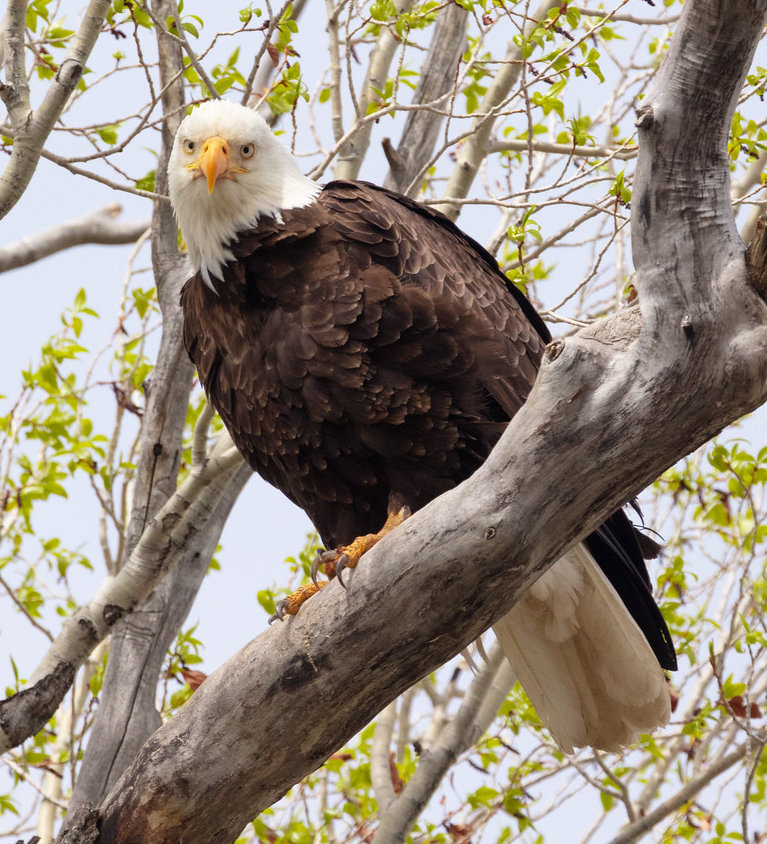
(613, 406)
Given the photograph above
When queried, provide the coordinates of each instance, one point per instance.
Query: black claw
(280, 609)
(318, 561)
(322, 557)
(340, 566)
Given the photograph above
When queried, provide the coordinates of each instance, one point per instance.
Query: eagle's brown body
(366, 355)
(363, 353)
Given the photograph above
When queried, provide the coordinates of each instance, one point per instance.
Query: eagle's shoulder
(424, 241)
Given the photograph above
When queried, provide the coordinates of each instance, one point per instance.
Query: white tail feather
(582, 659)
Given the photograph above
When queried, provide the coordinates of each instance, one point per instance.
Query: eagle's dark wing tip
(649, 548)
(619, 550)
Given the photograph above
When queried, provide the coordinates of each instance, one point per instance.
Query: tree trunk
(127, 713)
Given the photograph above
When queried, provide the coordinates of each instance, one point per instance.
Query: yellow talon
(346, 557)
(291, 603)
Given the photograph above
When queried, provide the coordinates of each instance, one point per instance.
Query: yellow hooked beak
(214, 160)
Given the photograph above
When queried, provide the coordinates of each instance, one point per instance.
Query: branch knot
(645, 117)
(553, 350)
(69, 72)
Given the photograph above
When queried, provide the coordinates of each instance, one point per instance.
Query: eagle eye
(188, 146)
(247, 150)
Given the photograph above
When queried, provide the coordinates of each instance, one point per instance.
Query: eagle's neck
(211, 223)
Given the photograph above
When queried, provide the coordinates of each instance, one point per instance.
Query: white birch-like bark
(479, 707)
(353, 151)
(66, 717)
(597, 151)
(170, 535)
(380, 765)
(613, 406)
(31, 127)
(437, 80)
(636, 830)
(750, 181)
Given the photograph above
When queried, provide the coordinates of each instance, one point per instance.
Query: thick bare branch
(63, 748)
(640, 21)
(380, 764)
(750, 181)
(101, 226)
(15, 91)
(336, 100)
(465, 729)
(438, 75)
(178, 530)
(127, 714)
(261, 73)
(623, 153)
(126, 720)
(183, 41)
(636, 830)
(352, 153)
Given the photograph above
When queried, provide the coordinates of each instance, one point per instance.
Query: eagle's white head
(226, 170)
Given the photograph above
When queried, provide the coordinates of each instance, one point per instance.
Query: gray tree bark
(613, 406)
(127, 713)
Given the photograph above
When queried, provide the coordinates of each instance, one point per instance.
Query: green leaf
(58, 36)
(383, 10)
(483, 796)
(144, 300)
(146, 182)
(47, 379)
(607, 800)
(7, 805)
(732, 689)
(266, 599)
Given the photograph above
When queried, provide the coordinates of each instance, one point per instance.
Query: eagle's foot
(347, 556)
(334, 562)
(290, 604)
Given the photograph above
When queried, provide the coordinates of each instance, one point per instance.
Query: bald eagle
(366, 355)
